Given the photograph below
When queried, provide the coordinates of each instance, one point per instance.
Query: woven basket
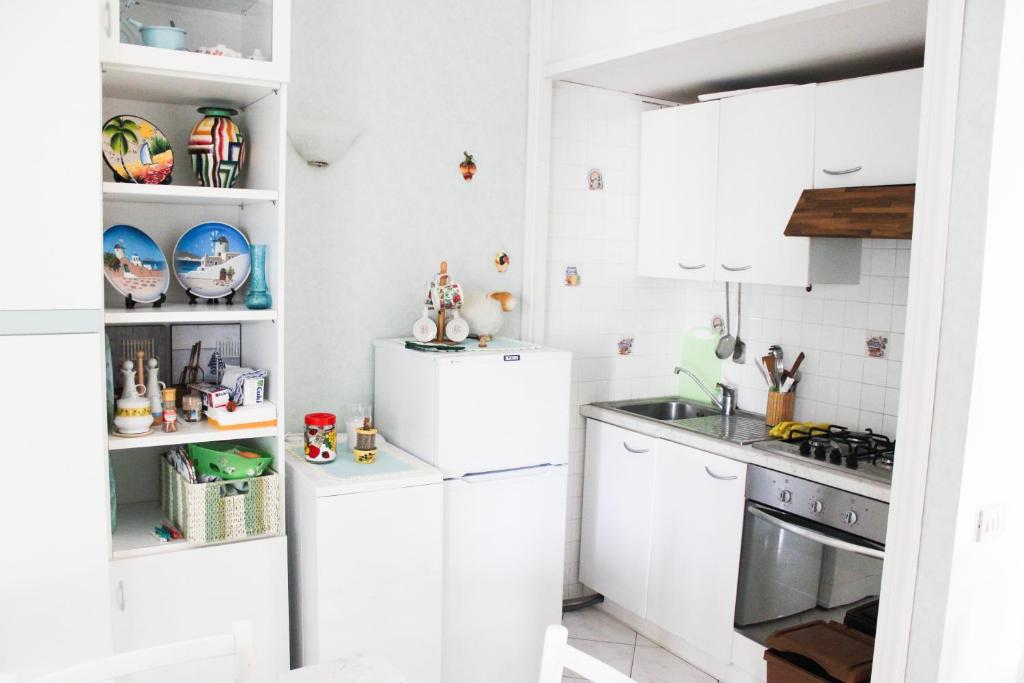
(205, 515)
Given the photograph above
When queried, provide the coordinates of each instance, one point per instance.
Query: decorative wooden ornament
(468, 167)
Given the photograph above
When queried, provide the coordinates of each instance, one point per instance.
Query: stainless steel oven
(806, 546)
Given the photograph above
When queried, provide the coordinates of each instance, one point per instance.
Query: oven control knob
(786, 496)
(850, 517)
(817, 507)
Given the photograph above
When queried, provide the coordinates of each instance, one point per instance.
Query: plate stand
(228, 299)
(129, 302)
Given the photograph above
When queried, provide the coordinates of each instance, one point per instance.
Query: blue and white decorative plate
(212, 259)
(134, 264)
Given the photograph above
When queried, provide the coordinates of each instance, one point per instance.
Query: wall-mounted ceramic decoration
(501, 261)
(137, 151)
(572, 276)
(595, 179)
(217, 148)
(468, 167)
(134, 265)
(875, 345)
(625, 346)
(211, 260)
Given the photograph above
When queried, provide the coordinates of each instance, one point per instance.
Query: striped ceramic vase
(217, 148)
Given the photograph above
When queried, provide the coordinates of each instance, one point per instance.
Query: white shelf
(134, 535)
(167, 314)
(155, 75)
(188, 432)
(185, 194)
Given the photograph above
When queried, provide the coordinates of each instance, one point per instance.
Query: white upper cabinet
(765, 155)
(678, 182)
(615, 547)
(866, 130)
(695, 546)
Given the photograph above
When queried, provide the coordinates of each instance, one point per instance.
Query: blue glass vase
(258, 296)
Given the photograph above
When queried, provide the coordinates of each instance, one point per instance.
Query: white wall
(596, 232)
(419, 83)
(582, 27)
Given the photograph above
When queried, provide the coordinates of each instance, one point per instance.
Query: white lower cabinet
(615, 546)
(198, 592)
(695, 546)
(662, 529)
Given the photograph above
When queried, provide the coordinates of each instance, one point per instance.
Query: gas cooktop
(863, 454)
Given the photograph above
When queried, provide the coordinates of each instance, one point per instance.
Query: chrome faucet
(727, 404)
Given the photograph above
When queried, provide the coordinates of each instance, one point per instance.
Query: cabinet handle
(120, 595)
(109, 14)
(634, 450)
(734, 269)
(829, 171)
(720, 477)
(684, 267)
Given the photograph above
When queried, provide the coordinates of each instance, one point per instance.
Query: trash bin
(818, 652)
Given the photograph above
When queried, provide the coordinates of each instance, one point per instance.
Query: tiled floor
(614, 643)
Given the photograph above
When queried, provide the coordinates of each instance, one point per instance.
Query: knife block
(780, 407)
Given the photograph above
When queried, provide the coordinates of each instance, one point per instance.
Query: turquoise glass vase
(258, 297)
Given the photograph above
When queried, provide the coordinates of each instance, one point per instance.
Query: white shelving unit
(167, 87)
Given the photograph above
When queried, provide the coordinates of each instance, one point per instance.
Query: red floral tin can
(321, 438)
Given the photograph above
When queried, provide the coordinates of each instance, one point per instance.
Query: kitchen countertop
(805, 469)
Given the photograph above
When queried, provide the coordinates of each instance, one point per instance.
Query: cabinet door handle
(685, 267)
(829, 171)
(634, 450)
(720, 477)
(120, 595)
(109, 15)
(735, 269)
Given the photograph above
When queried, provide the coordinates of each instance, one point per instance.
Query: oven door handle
(813, 535)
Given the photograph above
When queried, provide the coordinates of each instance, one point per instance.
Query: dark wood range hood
(880, 212)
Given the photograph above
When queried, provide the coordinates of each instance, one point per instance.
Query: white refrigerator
(496, 423)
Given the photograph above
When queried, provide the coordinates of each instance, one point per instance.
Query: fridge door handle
(480, 478)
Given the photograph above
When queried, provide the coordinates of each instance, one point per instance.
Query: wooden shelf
(185, 194)
(154, 75)
(188, 432)
(134, 535)
(185, 313)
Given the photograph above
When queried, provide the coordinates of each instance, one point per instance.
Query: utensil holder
(780, 407)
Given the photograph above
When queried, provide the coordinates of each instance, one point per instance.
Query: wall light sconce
(320, 142)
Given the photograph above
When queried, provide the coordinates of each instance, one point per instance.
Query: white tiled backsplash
(595, 231)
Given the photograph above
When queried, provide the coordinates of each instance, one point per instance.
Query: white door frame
(921, 349)
(924, 304)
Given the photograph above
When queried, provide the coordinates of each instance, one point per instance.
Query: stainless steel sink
(741, 427)
(669, 410)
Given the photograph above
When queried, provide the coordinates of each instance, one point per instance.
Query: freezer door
(503, 411)
(503, 561)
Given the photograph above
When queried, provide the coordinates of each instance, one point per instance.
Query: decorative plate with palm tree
(137, 151)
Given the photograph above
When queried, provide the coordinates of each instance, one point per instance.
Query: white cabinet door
(766, 151)
(52, 208)
(54, 505)
(695, 549)
(198, 592)
(678, 184)
(504, 554)
(866, 130)
(378, 558)
(615, 546)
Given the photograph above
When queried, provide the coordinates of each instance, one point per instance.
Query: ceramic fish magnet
(468, 167)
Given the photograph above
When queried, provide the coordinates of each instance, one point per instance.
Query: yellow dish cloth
(784, 430)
